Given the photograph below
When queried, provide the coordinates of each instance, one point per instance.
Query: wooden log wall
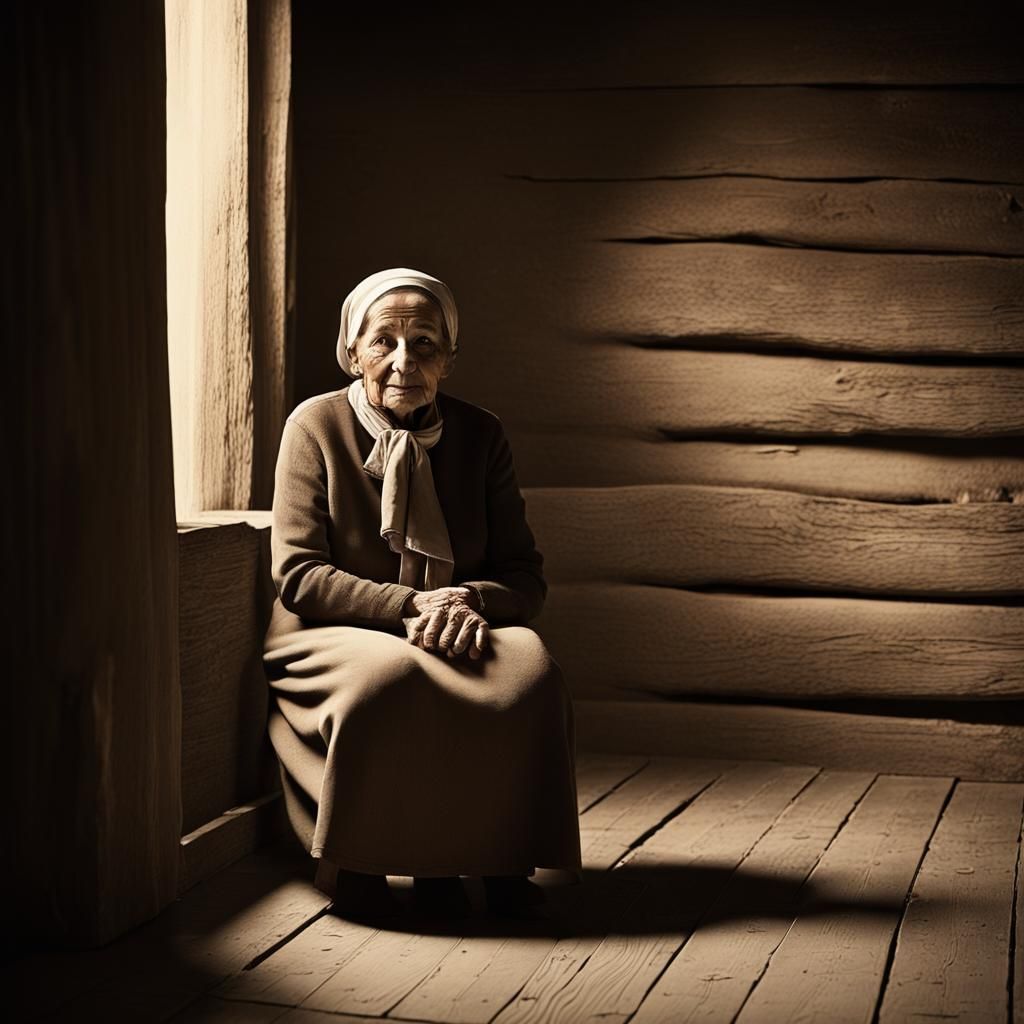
(747, 291)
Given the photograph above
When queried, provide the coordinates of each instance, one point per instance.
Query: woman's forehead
(405, 302)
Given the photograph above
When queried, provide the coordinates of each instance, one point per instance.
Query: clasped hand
(445, 621)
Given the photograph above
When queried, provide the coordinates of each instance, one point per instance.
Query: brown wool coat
(396, 760)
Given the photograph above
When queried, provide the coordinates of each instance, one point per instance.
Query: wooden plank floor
(747, 891)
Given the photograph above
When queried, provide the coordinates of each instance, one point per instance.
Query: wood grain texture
(534, 1000)
(640, 805)
(682, 643)
(953, 947)
(888, 305)
(219, 843)
(688, 536)
(478, 976)
(208, 281)
(613, 134)
(380, 973)
(885, 743)
(724, 957)
(484, 972)
(889, 216)
(300, 967)
(697, 395)
(686, 861)
(225, 597)
(831, 963)
(271, 217)
(498, 964)
(787, 132)
(91, 713)
(598, 774)
(894, 472)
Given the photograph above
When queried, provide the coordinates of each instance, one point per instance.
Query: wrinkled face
(402, 352)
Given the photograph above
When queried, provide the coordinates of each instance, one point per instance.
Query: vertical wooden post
(271, 236)
(228, 90)
(91, 719)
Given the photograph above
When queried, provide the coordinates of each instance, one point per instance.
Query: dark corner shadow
(640, 900)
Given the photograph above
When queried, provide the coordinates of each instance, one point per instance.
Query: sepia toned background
(747, 290)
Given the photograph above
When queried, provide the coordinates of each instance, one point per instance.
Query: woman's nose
(404, 362)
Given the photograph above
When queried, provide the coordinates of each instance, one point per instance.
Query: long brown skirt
(400, 761)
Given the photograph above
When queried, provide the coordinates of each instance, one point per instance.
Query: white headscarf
(359, 300)
(412, 521)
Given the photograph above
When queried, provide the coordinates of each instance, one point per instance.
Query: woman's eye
(425, 342)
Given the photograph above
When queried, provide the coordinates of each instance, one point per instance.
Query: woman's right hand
(445, 621)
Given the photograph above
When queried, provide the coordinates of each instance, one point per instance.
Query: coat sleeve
(515, 591)
(308, 583)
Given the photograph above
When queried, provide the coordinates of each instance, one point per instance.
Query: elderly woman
(422, 729)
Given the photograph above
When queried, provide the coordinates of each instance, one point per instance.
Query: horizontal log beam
(675, 643)
(921, 216)
(551, 383)
(831, 739)
(743, 537)
(975, 135)
(848, 303)
(894, 474)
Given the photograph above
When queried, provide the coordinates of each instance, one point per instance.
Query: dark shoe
(440, 897)
(512, 895)
(362, 894)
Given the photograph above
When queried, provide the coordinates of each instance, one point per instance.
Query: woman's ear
(354, 367)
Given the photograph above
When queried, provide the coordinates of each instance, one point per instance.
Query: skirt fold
(399, 761)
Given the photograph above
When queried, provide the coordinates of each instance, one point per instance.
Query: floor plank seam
(1013, 950)
(618, 785)
(674, 813)
(798, 898)
(895, 940)
(722, 888)
(284, 940)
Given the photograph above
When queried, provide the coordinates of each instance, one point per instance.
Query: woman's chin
(406, 406)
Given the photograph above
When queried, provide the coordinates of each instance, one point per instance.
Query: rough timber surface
(889, 305)
(728, 875)
(952, 950)
(900, 744)
(686, 536)
(897, 470)
(780, 647)
(785, 132)
(831, 964)
(884, 216)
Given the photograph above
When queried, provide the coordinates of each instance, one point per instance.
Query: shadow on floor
(635, 900)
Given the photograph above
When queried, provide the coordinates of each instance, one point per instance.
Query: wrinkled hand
(445, 621)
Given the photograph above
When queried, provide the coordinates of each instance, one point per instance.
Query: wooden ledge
(228, 771)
